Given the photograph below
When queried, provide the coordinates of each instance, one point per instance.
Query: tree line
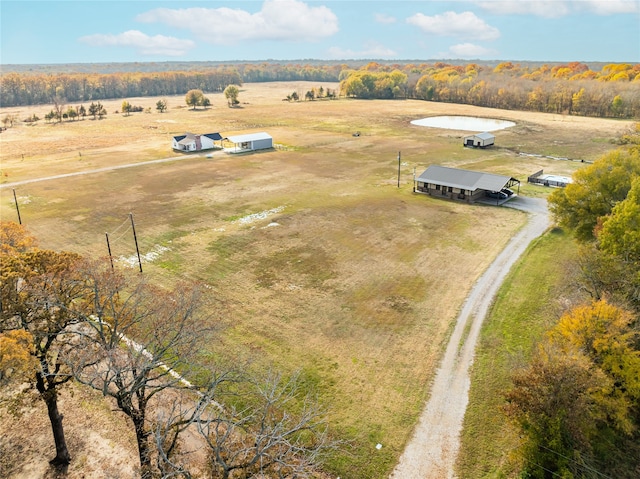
(66, 319)
(20, 89)
(577, 401)
(572, 88)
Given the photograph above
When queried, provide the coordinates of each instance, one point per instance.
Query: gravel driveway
(431, 453)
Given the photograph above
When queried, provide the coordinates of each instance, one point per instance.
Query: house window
(450, 189)
(437, 187)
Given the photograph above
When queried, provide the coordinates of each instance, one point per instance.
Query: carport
(466, 185)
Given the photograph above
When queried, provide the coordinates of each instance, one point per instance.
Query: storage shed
(249, 142)
(480, 140)
(465, 185)
(191, 142)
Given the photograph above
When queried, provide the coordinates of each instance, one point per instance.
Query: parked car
(507, 191)
(497, 194)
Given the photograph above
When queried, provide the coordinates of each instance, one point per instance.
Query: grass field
(319, 261)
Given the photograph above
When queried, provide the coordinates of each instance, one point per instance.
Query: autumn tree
(194, 98)
(161, 106)
(231, 94)
(576, 401)
(135, 340)
(552, 402)
(14, 239)
(617, 106)
(595, 190)
(618, 247)
(97, 109)
(605, 334)
(36, 291)
(620, 232)
(71, 113)
(16, 358)
(126, 108)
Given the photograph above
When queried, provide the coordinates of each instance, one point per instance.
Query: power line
(590, 469)
(125, 222)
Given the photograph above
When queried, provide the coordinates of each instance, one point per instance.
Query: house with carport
(465, 185)
(190, 142)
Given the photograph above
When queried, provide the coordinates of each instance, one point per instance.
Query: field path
(431, 453)
(101, 170)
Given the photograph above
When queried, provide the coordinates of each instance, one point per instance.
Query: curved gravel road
(431, 453)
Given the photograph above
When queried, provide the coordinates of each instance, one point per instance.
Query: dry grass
(347, 277)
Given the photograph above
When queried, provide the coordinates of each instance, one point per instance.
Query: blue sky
(93, 31)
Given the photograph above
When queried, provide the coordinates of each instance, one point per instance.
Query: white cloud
(469, 50)
(538, 8)
(611, 7)
(146, 45)
(284, 20)
(463, 25)
(558, 8)
(371, 50)
(384, 18)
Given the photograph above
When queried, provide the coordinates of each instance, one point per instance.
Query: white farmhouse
(191, 142)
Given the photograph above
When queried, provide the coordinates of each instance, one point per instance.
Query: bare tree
(137, 342)
(257, 434)
(58, 107)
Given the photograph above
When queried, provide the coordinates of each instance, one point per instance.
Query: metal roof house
(191, 142)
(480, 140)
(465, 185)
(249, 142)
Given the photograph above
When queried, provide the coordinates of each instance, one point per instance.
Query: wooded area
(576, 401)
(572, 88)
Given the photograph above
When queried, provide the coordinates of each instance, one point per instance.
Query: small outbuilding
(480, 140)
(249, 142)
(465, 185)
(191, 142)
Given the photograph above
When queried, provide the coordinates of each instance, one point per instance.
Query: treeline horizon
(573, 88)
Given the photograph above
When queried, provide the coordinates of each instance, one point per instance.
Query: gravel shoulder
(431, 453)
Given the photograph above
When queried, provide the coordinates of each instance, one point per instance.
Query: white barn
(191, 142)
(249, 142)
(480, 140)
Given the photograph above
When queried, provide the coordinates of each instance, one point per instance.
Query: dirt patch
(100, 440)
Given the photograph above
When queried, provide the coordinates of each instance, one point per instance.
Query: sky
(100, 31)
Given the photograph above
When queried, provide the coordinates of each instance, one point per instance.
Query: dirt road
(98, 170)
(432, 451)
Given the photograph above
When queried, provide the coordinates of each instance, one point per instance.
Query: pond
(465, 123)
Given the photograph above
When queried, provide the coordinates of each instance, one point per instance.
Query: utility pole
(109, 249)
(17, 208)
(135, 238)
(414, 179)
(398, 169)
